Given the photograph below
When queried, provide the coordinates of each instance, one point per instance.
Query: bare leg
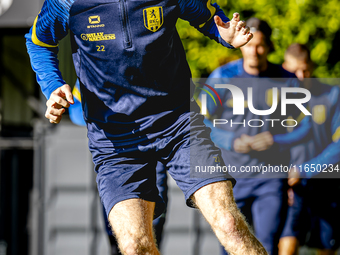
(131, 221)
(216, 202)
(288, 245)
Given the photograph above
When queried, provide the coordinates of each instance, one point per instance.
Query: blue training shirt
(128, 57)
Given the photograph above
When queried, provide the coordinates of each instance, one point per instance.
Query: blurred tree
(310, 22)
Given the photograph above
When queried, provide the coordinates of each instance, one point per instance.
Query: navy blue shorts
(181, 147)
(298, 219)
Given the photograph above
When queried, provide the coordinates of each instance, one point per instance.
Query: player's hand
(293, 177)
(234, 32)
(242, 144)
(60, 99)
(262, 141)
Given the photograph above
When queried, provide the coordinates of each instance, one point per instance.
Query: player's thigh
(131, 221)
(216, 202)
(132, 213)
(214, 195)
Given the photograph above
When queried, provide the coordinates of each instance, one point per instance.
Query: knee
(227, 223)
(138, 246)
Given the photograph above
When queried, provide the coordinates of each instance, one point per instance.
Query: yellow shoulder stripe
(212, 10)
(76, 93)
(336, 135)
(35, 39)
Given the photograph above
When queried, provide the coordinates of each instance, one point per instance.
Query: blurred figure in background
(76, 116)
(297, 60)
(262, 200)
(319, 197)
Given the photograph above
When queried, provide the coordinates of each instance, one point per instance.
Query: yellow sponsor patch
(319, 114)
(94, 37)
(95, 22)
(153, 18)
(94, 19)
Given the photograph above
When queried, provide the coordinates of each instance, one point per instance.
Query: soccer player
(76, 115)
(297, 60)
(323, 149)
(138, 110)
(261, 200)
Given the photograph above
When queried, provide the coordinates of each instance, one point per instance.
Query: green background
(312, 22)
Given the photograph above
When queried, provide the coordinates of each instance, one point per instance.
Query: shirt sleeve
(299, 135)
(50, 26)
(200, 14)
